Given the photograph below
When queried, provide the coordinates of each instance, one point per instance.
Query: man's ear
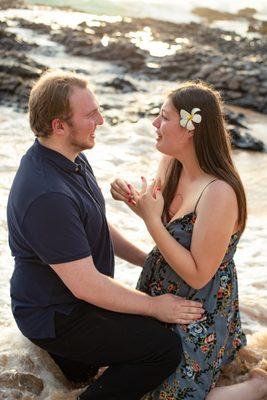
(58, 126)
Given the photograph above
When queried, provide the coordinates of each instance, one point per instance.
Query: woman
(196, 212)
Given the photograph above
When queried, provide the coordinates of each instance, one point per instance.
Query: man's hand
(123, 191)
(176, 310)
(86, 283)
(120, 190)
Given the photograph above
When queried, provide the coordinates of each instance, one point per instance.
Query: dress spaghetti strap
(203, 192)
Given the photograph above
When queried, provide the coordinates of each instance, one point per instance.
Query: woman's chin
(159, 147)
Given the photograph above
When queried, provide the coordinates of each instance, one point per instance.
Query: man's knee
(174, 350)
(168, 347)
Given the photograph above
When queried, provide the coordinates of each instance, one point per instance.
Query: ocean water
(126, 150)
(169, 10)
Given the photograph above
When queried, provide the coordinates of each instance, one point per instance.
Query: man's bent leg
(139, 351)
(75, 371)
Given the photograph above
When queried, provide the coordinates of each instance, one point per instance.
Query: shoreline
(128, 44)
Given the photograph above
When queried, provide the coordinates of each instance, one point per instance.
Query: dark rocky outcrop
(123, 85)
(17, 70)
(6, 4)
(212, 15)
(235, 65)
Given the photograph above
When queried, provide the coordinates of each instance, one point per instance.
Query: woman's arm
(216, 218)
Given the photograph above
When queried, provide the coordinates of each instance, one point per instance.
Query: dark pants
(139, 351)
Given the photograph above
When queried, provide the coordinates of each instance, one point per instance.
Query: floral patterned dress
(207, 345)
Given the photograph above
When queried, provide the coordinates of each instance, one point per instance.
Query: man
(64, 297)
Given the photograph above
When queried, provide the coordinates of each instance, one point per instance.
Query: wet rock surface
(17, 70)
(6, 4)
(212, 15)
(235, 65)
(122, 85)
(21, 381)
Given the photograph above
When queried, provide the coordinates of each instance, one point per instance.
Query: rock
(39, 27)
(247, 12)
(6, 4)
(126, 54)
(246, 101)
(230, 94)
(121, 84)
(8, 83)
(212, 14)
(22, 70)
(263, 28)
(234, 118)
(21, 381)
(258, 27)
(240, 137)
(231, 63)
(246, 141)
(11, 41)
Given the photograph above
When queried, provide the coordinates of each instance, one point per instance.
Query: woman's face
(171, 136)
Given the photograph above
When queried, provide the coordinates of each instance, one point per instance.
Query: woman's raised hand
(123, 191)
(149, 202)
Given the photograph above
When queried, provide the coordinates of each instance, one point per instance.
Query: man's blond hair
(50, 99)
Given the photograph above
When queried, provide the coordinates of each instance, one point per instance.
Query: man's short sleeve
(53, 228)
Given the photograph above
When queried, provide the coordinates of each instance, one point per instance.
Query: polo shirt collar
(57, 158)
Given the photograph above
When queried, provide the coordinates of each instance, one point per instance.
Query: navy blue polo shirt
(56, 214)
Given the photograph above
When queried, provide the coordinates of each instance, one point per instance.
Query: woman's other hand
(149, 202)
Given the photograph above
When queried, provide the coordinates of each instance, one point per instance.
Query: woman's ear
(191, 133)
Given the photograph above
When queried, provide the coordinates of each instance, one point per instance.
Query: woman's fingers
(144, 185)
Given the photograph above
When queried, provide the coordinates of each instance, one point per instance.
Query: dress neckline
(181, 218)
(237, 233)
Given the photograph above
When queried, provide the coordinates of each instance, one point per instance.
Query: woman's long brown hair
(212, 144)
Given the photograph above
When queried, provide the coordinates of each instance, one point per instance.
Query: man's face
(85, 118)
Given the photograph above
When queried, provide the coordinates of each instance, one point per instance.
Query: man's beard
(76, 144)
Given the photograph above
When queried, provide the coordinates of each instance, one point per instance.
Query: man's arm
(125, 249)
(88, 284)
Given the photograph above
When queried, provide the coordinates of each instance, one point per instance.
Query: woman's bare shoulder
(220, 193)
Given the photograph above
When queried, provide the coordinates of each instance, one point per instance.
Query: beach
(131, 64)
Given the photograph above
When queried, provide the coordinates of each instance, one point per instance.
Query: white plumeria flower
(187, 119)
